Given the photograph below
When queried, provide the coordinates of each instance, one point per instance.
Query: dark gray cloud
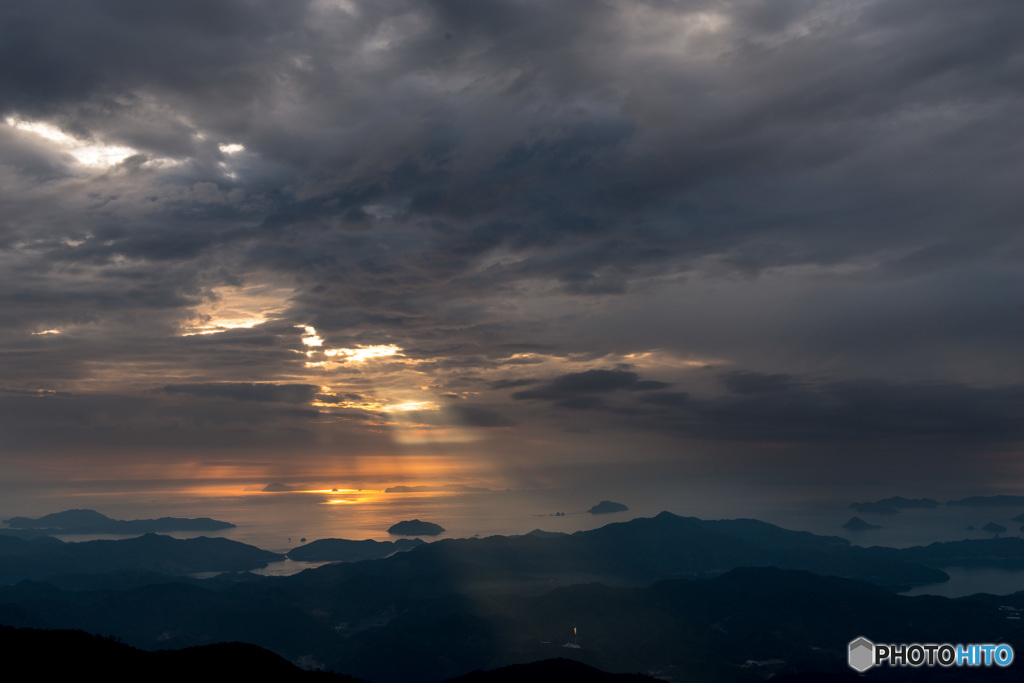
(512, 383)
(578, 188)
(666, 398)
(785, 409)
(757, 382)
(862, 411)
(108, 429)
(479, 416)
(582, 202)
(589, 382)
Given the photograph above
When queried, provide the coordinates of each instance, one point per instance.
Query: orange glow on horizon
(317, 477)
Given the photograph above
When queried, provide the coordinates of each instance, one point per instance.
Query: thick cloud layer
(400, 227)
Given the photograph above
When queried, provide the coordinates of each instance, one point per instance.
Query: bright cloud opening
(410, 405)
(363, 353)
(85, 152)
(232, 308)
(310, 337)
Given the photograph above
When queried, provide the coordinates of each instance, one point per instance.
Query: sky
(513, 244)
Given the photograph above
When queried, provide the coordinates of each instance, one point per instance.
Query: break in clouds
(734, 233)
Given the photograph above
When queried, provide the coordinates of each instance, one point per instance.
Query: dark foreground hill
(680, 598)
(550, 671)
(74, 654)
(738, 627)
(680, 630)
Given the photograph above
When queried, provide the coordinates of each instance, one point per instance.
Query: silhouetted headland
(342, 550)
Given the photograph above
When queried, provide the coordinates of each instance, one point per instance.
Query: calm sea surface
(281, 521)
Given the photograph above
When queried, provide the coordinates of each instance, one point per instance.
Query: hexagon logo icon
(862, 654)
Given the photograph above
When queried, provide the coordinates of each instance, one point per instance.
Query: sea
(281, 520)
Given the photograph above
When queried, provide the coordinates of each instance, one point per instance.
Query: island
(891, 506)
(858, 524)
(607, 506)
(414, 527)
(91, 522)
(988, 501)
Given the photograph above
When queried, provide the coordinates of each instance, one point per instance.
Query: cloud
(588, 382)
(757, 382)
(479, 416)
(788, 409)
(666, 398)
(573, 207)
(512, 383)
(844, 411)
(247, 391)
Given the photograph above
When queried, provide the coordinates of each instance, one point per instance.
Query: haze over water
(269, 519)
(278, 521)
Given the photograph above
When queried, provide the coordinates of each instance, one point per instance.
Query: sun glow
(363, 353)
(350, 496)
(411, 405)
(375, 406)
